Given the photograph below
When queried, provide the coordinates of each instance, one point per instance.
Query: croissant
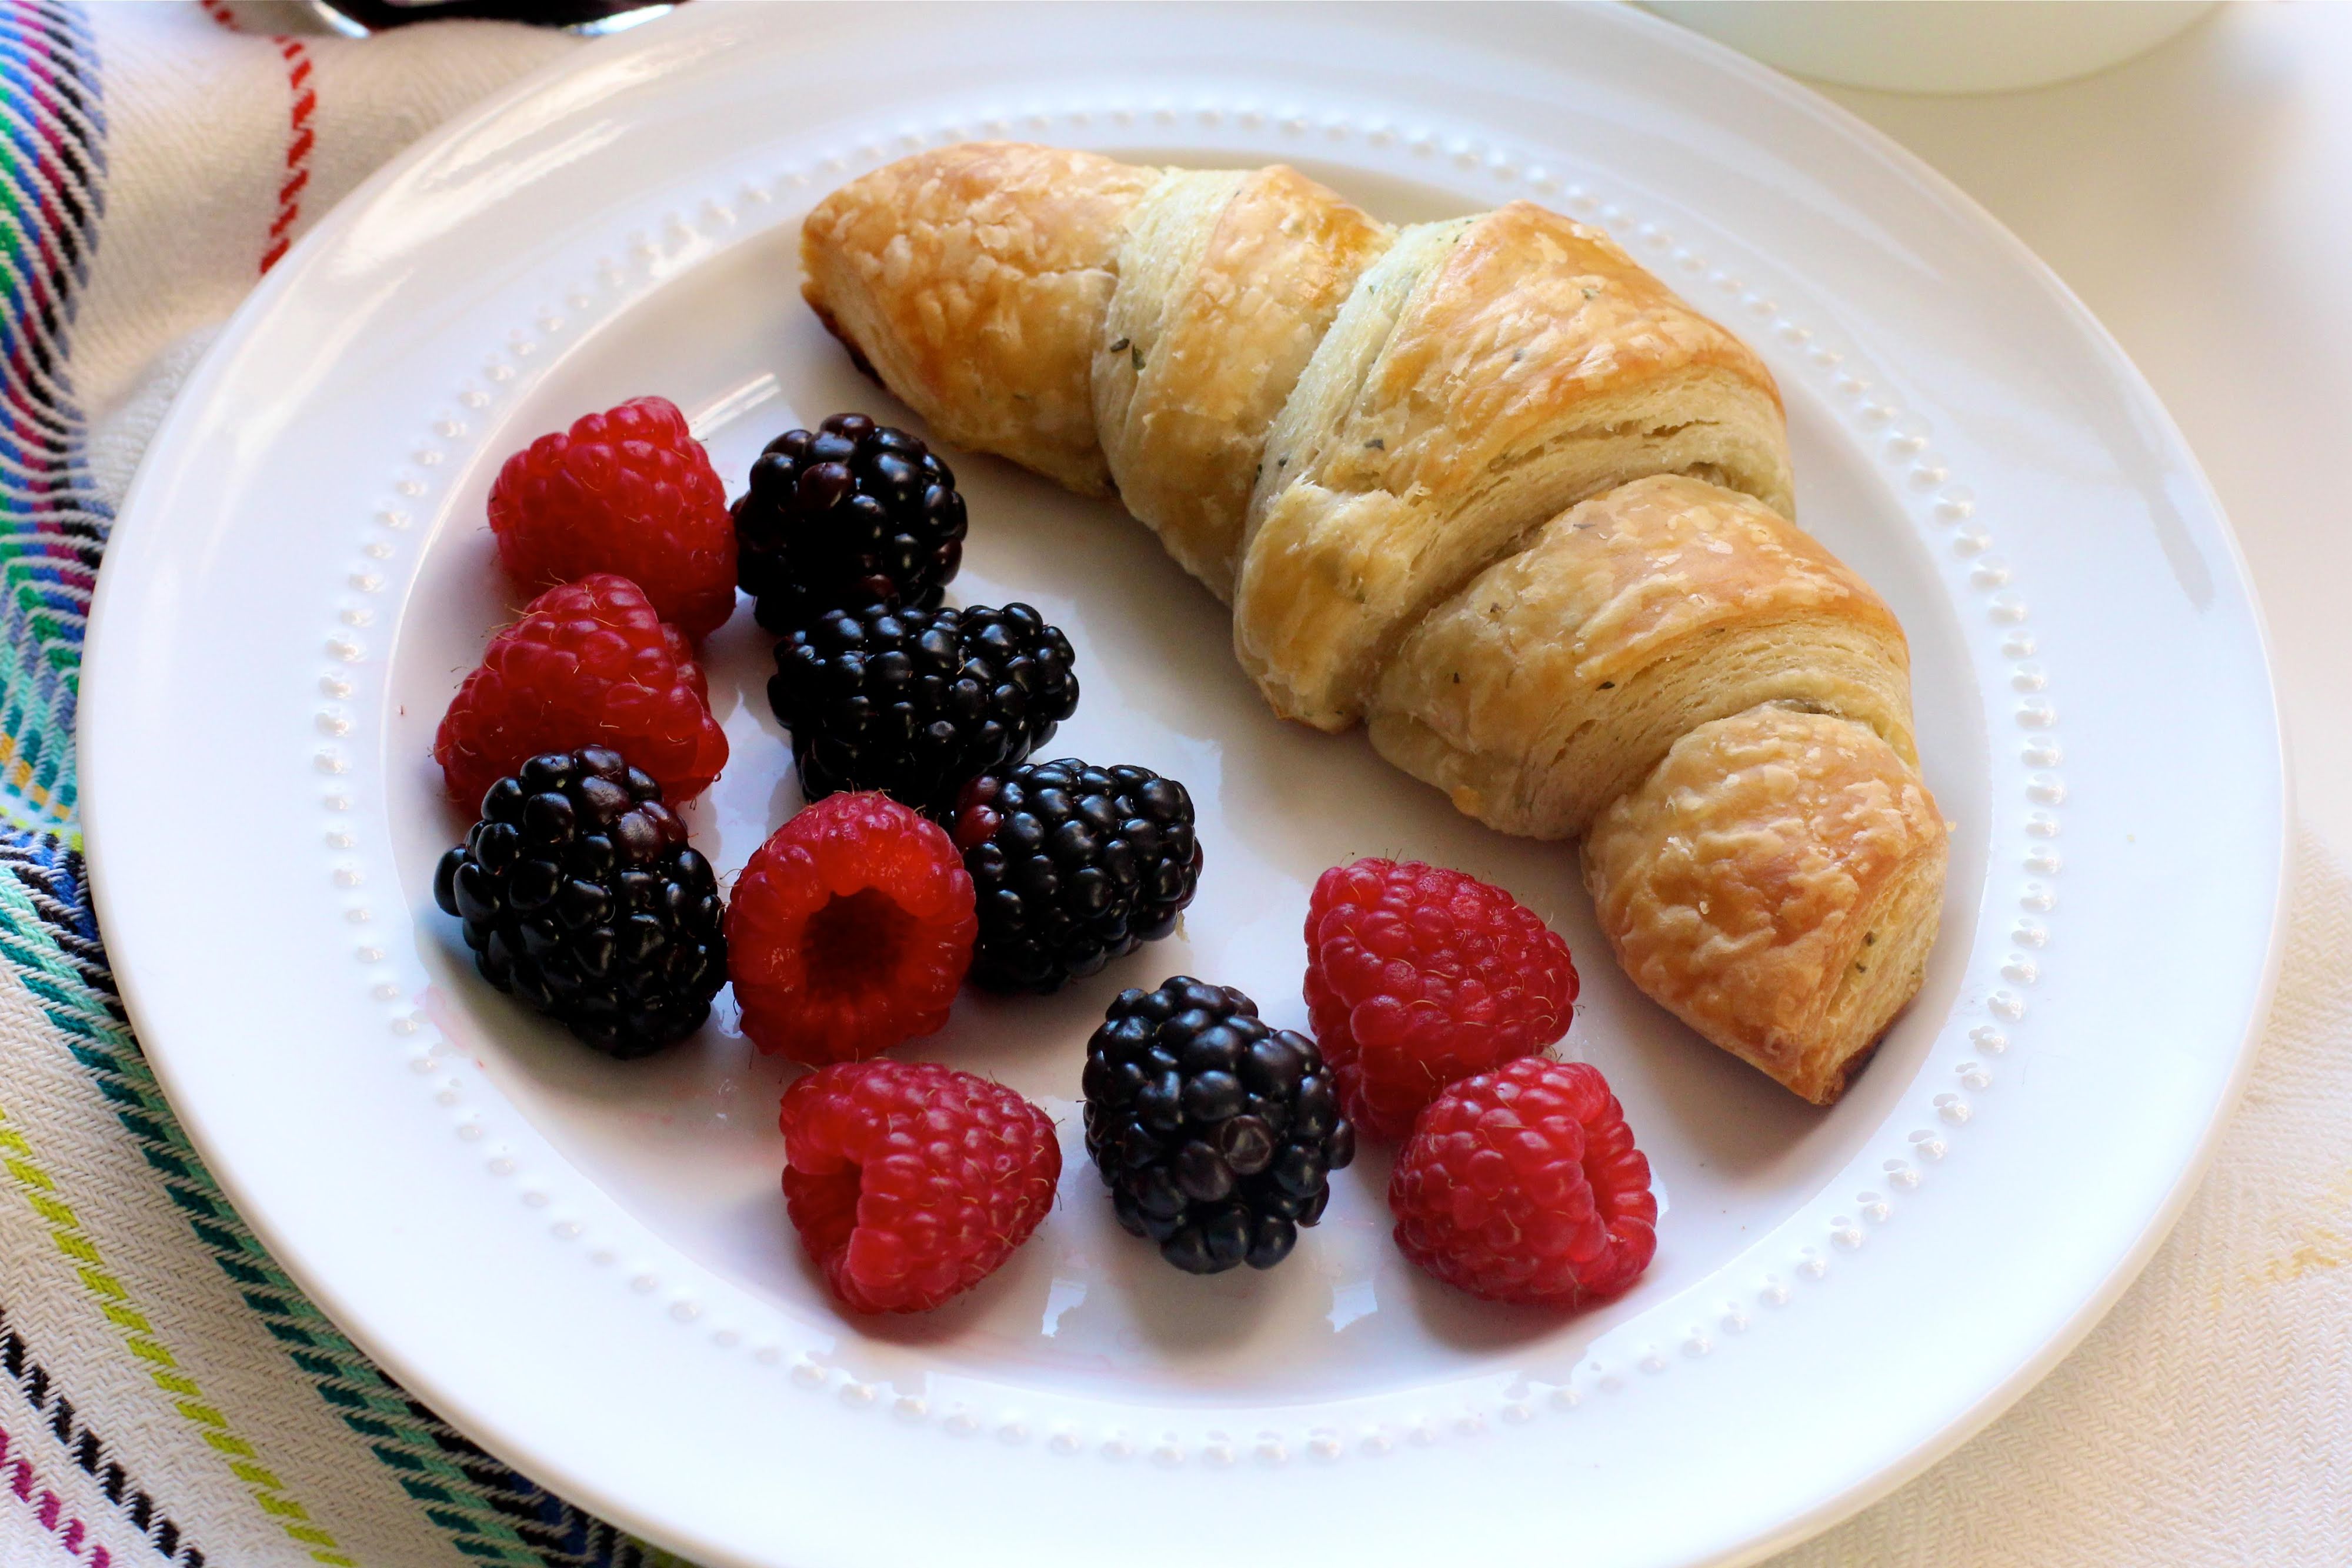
(1484, 486)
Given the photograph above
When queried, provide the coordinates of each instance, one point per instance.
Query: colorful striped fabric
(180, 1401)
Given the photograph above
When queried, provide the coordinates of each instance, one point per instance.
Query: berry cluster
(589, 664)
(580, 894)
(917, 702)
(1217, 1134)
(853, 516)
(1523, 1185)
(1072, 866)
(852, 927)
(911, 1181)
(1417, 976)
(629, 491)
(933, 852)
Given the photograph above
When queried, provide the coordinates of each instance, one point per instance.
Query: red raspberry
(1523, 1185)
(909, 1182)
(849, 930)
(589, 664)
(627, 490)
(1417, 976)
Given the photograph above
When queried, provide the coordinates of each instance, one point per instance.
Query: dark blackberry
(580, 896)
(914, 702)
(1217, 1134)
(846, 516)
(1074, 866)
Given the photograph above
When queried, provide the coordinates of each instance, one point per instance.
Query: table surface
(2198, 199)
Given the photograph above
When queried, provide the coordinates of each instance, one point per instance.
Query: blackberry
(848, 517)
(1074, 866)
(580, 896)
(1215, 1134)
(914, 702)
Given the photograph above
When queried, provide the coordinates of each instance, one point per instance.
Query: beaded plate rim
(702, 225)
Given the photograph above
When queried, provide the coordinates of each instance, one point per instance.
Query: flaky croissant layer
(1485, 483)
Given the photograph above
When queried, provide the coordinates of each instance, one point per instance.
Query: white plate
(587, 1265)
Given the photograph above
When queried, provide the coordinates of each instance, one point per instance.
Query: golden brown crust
(1484, 375)
(1226, 282)
(1553, 682)
(1409, 414)
(973, 281)
(1776, 882)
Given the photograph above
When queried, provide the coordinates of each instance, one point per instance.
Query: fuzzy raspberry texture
(1419, 976)
(1523, 1185)
(627, 490)
(589, 664)
(909, 1182)
(849, 930)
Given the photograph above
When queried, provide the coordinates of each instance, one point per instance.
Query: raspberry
(849, 930)
(1417, 976)
(628, 491)
(1523, 1185)
(589, 664)
(909, 1182)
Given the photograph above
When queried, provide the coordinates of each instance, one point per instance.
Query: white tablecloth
(2200, 200)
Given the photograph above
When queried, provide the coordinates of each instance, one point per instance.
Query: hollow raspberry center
(827, 1209)
(854, 942)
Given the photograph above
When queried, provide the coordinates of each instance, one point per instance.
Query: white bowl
(1938, 45)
